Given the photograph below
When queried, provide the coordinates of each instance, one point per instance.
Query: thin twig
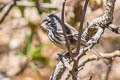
(75, 65)
(81, 26)
(31, 4)
(65, 62)
(90, 77)
(109, 70)
(104, 55)
(25, 3)
(64, 29)
(2, 6)
(114, 28)
(7, 12)
(89, 34)
(38, 7)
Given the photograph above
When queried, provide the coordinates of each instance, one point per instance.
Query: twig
(25, 3)
(59, 70)
(114, 28)
(89, 35)
(65, 62)
(64, 29)
(90, 77)
(2, 6)
(105, 55)
(83, 50)
(109, 70)
(31, 4)
(99, 56)
(75, 65)
(66, 76)
(7, 12)
(38, 7)
(81, 26)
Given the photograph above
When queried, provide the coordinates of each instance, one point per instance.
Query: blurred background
(26, 52)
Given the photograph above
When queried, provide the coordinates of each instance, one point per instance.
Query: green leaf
(38, 50)
(35, 54)
(43, 59)
(28, 44)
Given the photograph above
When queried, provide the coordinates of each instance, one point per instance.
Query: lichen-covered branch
(59, 70)
(102, 21)
(91, 36)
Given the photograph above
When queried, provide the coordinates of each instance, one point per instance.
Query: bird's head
(51, 22)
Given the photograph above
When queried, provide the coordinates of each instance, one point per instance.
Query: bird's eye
(49, 21)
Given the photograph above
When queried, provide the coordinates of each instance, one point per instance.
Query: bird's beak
(42, 25)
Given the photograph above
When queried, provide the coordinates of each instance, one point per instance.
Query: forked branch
(91, 38)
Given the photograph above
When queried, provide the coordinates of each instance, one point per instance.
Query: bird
(52, 24)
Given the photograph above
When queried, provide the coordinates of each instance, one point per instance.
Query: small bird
(53, 25)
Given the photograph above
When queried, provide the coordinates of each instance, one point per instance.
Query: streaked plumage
(52, 24)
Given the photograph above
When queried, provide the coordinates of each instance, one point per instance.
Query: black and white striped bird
(53, 25)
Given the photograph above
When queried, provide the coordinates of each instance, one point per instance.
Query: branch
(2, 6)
(64, 29)
(7, 12)
(38, 7)
(75, 65)
(25, 3)
(96, 27)
(102, 21)
(109, 70)
(114, 28)
(91, 35)
(60, 69)
(104, 55)
(65, 62)
(31, 4)
(90, 77)
(81, 26)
